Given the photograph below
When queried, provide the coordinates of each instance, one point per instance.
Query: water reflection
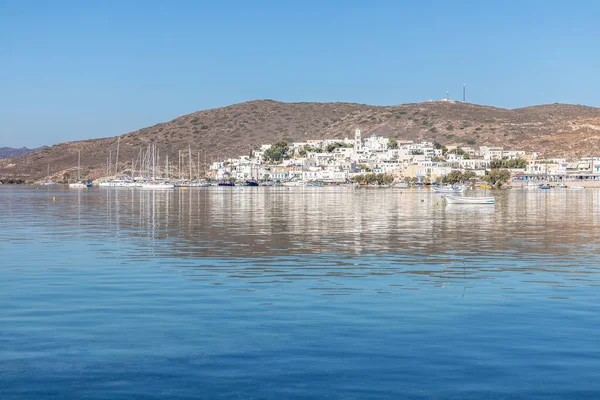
(308, 293)
(274, 235)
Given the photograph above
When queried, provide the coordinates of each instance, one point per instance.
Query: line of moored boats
(453, 194)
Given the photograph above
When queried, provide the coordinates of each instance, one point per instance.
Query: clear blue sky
(72, 70)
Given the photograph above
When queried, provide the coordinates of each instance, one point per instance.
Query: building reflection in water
(287, 233)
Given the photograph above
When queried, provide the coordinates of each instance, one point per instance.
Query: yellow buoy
(54, 198)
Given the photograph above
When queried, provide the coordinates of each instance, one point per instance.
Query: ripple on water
(322, 293)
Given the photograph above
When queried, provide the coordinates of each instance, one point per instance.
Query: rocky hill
(556, 130)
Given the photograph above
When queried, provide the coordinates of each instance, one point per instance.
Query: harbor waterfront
(298, 292)
(374, 159)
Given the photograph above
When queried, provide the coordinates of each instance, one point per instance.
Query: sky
(72, 70)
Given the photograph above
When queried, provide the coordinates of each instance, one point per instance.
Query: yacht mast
(153, 161)
(117, 159)
(158, 161)
(190, 162)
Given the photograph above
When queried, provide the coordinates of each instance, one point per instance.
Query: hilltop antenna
(447, 95)
(464, 93)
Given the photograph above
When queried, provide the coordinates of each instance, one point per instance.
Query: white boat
(119, 181)
(268, 183)
(201, 184)
(469, 200)
(79, 184)
(448, 189)
(576, 187)
(158, 186)
(313, 184)
(183, 183)
(49, 182)
(293, 183)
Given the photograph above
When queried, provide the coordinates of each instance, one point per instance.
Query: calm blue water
(321, 293)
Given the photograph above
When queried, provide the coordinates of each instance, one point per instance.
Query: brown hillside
(552, 130)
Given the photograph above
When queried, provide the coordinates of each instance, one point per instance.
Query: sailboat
(154, 182)
(48, 182)
(80, 184)
(252, 181)
(119, 181)
(158, 185)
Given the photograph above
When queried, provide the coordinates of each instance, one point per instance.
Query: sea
(298, 293)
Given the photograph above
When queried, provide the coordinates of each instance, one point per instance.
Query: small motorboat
(530, 186)
(469, 200)
(200, 184)
(226, 183)
(576, 187)
(313, 184)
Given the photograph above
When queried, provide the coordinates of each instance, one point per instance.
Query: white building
(473, 164)
(375, 143)
(491, 153)
(513, 154)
